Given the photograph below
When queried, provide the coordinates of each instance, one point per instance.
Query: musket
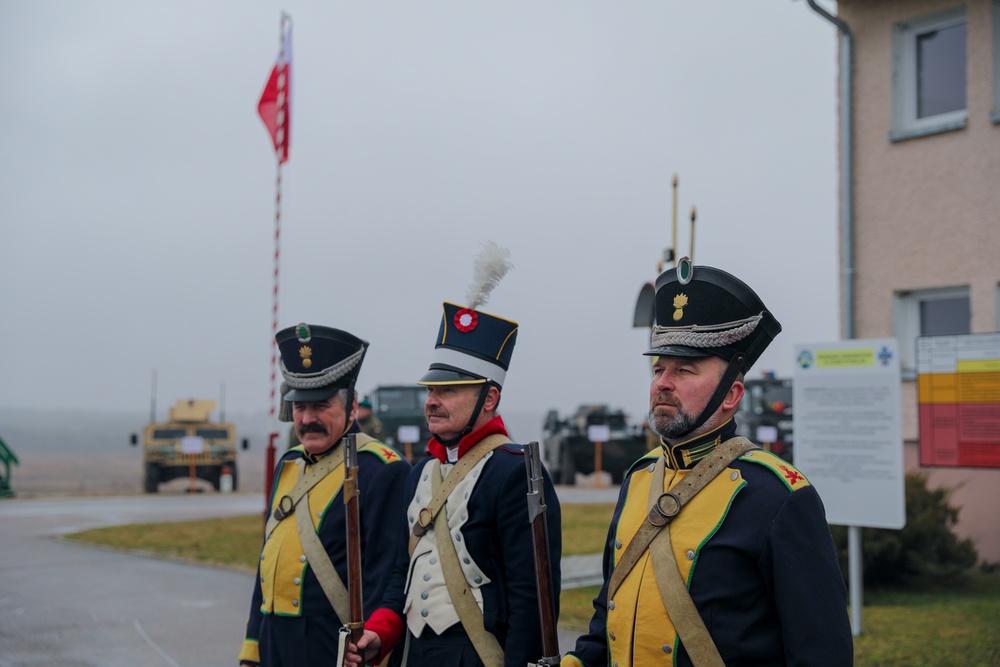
(356, 622)
(540, 538)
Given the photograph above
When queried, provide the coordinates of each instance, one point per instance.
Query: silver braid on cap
(707, 335)
(313, 380)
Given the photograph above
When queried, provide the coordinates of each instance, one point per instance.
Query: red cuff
(389, 627)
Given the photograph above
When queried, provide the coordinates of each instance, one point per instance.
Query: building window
(929, 312)
(929, 75)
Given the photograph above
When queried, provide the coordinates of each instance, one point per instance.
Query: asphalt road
(71, 605)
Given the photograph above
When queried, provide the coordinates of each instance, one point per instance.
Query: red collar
(493, 426)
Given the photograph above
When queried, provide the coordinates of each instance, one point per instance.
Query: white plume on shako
(491, 266)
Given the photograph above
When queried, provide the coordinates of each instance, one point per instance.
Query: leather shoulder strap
(665, 506)
(466, 463)
(680, 607)
(319, 560)
(469, 613)
(286, 504)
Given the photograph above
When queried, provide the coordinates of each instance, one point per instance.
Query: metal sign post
(849, 439)
(191, 447)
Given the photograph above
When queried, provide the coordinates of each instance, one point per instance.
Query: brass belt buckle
(424, 520)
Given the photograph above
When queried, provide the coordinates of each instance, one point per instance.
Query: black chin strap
(725, 384)
(483, 393)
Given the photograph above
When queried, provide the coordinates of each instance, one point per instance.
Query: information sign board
(848, 432)
(598, 432)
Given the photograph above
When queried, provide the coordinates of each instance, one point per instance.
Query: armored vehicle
(568, 448)
(765, 415)
(402, 405)
(189, 443)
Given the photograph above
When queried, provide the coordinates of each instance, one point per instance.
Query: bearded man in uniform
(718, 553)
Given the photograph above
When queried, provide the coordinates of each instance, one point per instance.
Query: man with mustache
(299, 599)
(463, 593)
(718, 552)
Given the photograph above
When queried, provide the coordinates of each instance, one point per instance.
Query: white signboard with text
(848, 430)
(598, 432)
(410, 434)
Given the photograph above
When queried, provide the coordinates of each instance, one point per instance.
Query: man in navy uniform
(463, 592)
(300, 599)
(718, 553)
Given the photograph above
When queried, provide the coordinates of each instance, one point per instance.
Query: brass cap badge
(680, 301)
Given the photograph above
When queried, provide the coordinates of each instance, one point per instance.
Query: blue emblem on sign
(884, 355)
(805, 359)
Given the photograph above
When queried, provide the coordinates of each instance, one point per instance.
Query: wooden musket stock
(356, 622)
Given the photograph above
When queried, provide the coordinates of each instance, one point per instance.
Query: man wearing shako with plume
(719, 553)
(463, 592)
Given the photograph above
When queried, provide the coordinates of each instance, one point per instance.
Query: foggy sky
(137, 185)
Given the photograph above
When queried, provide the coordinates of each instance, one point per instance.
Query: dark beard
(671, 427)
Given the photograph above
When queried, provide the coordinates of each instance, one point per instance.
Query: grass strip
(954, 623)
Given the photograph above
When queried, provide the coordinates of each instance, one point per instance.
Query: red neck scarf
(493, 426)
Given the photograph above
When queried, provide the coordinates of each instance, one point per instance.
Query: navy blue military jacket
(499, 539)
(291, 588)
(762, 570)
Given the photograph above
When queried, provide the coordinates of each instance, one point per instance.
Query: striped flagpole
(281, 154)
(274, 308)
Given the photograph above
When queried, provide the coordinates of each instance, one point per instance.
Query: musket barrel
(540, 539)
(354, 593)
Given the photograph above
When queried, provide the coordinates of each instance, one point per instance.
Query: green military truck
(189, 444)
(402, 405)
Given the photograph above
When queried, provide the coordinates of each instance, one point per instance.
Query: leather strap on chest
(297, 501)
(307, 480)
(468, 461)
(663, 508)
(469, 613)
(319, 560)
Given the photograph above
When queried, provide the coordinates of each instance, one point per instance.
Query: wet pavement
(79, 606)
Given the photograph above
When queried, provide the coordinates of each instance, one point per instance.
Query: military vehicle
(568, 448)
(765, 415)
(189, 442)
(402, 405)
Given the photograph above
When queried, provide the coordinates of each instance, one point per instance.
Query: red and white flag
(275, 102)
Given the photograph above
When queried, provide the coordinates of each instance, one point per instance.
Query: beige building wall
(927, 214)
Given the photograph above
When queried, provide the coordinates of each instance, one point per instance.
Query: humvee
(189, 442)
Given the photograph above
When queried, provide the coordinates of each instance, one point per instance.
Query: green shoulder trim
(785, 471)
